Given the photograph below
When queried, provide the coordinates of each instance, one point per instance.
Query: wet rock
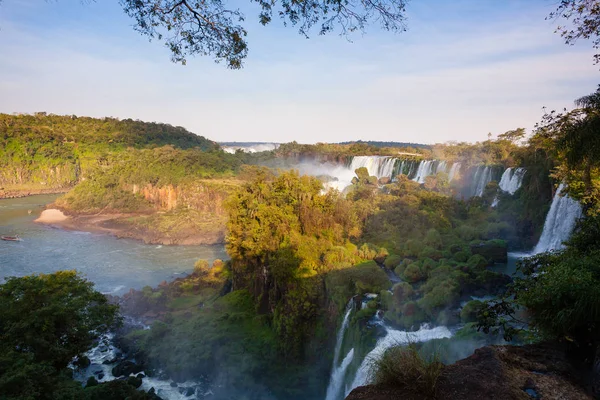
(173, 384)
(187, 391)
(82, 362)
(134, 381)
(126, 368)
(91, 382)
(100, 376)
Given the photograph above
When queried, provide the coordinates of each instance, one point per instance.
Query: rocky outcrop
(205, 196)
(496, 373)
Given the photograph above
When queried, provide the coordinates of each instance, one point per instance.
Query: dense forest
(53, 151)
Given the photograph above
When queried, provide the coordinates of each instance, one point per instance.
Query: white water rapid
(104, 356)
(511, 180)
(560, 222)
(395, 338)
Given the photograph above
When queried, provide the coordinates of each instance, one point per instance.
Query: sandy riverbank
(123, 225)
(51, 216)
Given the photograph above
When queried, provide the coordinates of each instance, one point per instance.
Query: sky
(463, 69)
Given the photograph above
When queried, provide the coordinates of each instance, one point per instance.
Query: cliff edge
(498, 373)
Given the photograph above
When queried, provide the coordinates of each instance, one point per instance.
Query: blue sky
(463, 69)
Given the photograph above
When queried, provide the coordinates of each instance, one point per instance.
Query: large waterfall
(378, 166)
(395, 338)
(560, 222)
(512, 179)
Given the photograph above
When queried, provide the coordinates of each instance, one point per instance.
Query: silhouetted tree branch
(210, 28)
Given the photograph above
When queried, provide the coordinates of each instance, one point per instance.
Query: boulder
(82, 362)
(384, 180)
(126, 368)
(91, 382)
(134, 381)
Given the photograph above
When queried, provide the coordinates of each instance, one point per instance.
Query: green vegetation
(405, 367)
(52, 151)
(45, 322)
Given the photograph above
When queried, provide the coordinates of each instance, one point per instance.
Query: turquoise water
(114, 265)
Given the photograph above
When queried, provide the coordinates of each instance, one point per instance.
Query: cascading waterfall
(334, 390)
(385, 167)
(338, 371)
(453, 171)
(395, 338)
(378, 166)
(560, 222)
(511, 180)
(483, 176)
(426, 168)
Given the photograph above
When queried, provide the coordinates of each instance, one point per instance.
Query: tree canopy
(46, 321)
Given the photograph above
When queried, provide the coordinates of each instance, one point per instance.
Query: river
(114, 265)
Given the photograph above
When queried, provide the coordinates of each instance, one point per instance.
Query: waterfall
(378, 166)
(341, 331)
(560, 222)
(483, 176)
(425, 169)
(337, 377)
(453, 171)
(511, 180)
(395, 338)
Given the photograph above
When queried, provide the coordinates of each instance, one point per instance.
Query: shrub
(470, 310)
(405, 368)
(428, 266)
(461, 256)
(433, 239)
(477, 261)
(413, 247)
(386, 299)
(402, 292)
(413, 273)
(430, 252)
(391, 262)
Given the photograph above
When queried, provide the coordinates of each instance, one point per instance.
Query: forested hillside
(55, 152)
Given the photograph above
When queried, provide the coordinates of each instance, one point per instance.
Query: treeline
(402, 145)
(340, 152)
(53, 151)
